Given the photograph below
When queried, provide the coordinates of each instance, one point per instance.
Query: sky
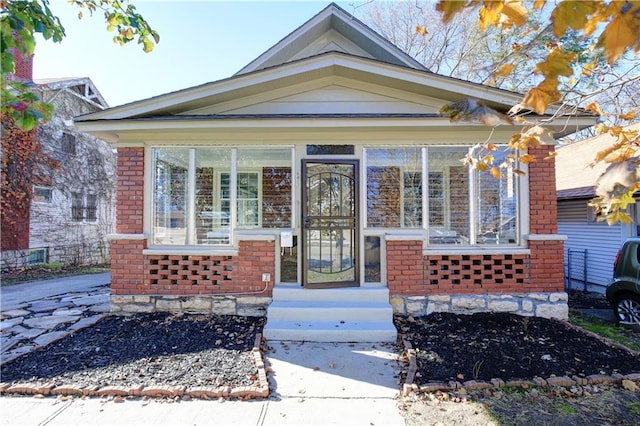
(200, 42)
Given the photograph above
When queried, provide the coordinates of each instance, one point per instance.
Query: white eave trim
(545, 237)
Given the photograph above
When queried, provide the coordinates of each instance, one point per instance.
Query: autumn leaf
(495, 172)
(421, 30)
(490, 14)
(538, 100)
(557, 63)
(571, 14)
(449, 8)
(527, 158)
(516, 12)
(621, 33)
(628, 115)
(594, 108)
(504, 70)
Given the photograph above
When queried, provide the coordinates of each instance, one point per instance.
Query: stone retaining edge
(261, 390)
(470, 385)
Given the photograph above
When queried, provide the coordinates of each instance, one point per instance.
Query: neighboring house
(73, 206)
(321, 186)
(591, 245)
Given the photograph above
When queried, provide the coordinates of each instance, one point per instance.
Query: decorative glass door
(330, 223)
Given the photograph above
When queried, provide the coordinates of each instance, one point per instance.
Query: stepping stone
(86, 322)
(8, 323)
(48, 305)
(88, 300)
(51, 321)
(15, 313)
(68, 312)
(30, 333)
(105, 307)
(17, 352)
(45, 339)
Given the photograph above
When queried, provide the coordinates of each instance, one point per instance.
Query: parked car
(624, 291)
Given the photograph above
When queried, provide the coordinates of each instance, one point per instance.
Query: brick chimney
(24, 66)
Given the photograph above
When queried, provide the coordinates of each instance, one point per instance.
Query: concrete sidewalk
(311, 384)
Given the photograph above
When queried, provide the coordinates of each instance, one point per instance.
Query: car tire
(627, 309)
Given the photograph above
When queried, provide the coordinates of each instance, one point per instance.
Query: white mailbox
(286, 239)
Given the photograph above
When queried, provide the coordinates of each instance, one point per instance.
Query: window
(42, 194)
(68, 144)
(201, 194)
(463, 206)
(394, 187)
(76, 207)
(38, 256)
(91, 208)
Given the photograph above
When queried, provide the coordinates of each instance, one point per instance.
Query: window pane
(170, 195)
(42, 194)
(448, 200)
(212, 195)
(264, 188)
(497, 205)
(76, 207)
(394, 187)
(92, 207)
(372, 259)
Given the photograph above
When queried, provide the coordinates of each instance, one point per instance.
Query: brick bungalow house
(320, 187)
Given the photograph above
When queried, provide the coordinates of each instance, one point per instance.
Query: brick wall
(127, 267)
(130, 191)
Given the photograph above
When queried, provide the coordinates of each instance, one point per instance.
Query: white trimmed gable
(332, 29)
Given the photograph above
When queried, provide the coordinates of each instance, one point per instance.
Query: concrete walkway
(311, 383)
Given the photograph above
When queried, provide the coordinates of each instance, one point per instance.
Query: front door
(330, 223)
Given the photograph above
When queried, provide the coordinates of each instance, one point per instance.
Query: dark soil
(485, 346)
(147, 349)
(587, 300)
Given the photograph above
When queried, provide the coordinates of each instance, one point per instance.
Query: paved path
(37, 313)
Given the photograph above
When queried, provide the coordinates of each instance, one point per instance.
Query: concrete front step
(361, 294)
(330, 311)
(353, 314)
(329, 331)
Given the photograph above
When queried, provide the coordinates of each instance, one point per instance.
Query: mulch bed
(485, 346)
(157, 349)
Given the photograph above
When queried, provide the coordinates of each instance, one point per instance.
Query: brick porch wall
(412, 275)
(133, 273)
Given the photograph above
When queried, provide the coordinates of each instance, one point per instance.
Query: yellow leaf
(628, 115)
(556, 63)
(504, 70)
(516, 12)
(519, 172)
(527, 158)
(621, 33)
(482, 167)
(495, 172)
(490, 14)
(491, 147)
(539, 3)
(421, 30)
(571, 14)
(538, 100)
(594, 108)
(449, 8)
(551, 155)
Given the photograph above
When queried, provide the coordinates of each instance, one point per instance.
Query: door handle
(307, 222)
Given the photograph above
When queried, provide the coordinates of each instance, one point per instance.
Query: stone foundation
(545, 305)
(249, 306)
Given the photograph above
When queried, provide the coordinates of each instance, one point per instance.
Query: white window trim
(46, 188)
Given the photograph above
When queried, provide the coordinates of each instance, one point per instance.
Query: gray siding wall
(599, 239)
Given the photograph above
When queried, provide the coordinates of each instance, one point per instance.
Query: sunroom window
(429, 188)
(201, 194)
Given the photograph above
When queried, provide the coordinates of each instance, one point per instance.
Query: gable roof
(344, 54)
(332, 29)
(575, 177)
(81, 87)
